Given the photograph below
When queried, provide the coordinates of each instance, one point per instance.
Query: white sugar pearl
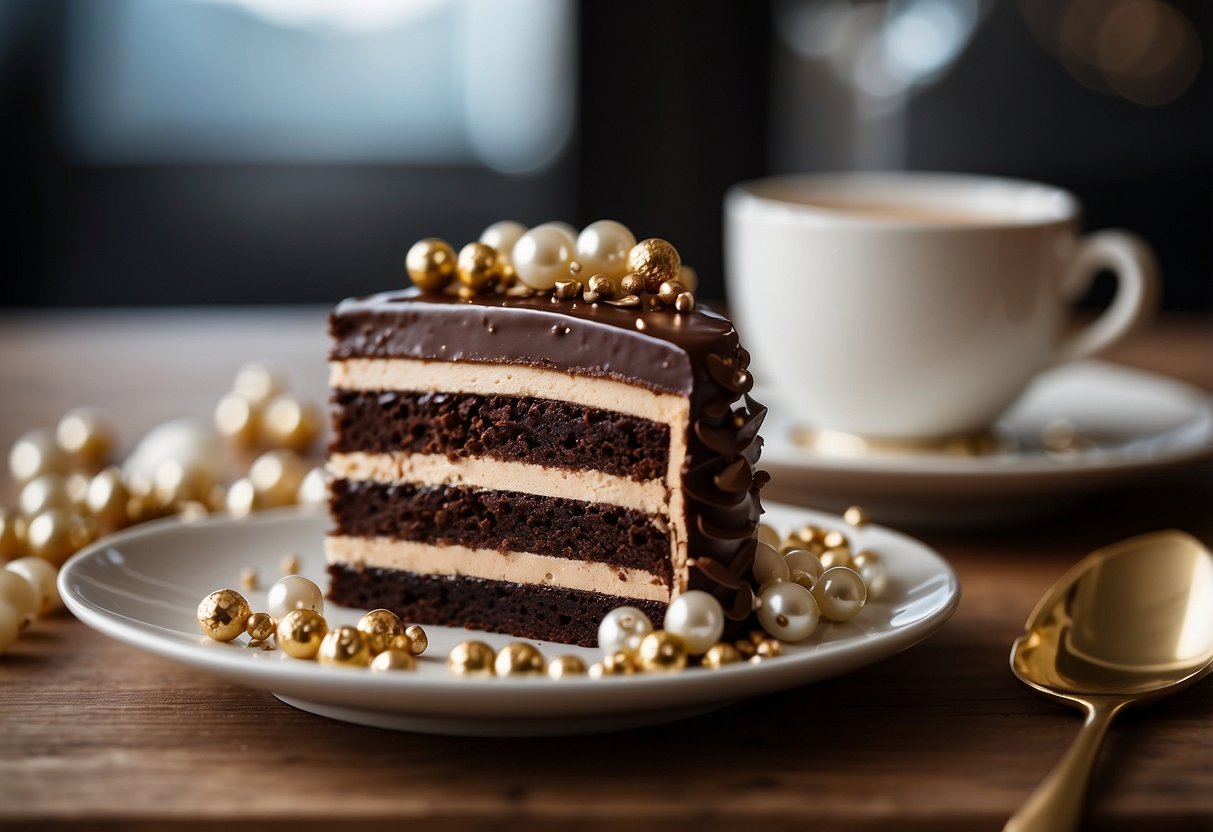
(41, 575)
(697, 618)
(622, 629)
(542, 255)
(788, 611)
(840, 593)
(602, 248)
(19, 594)
(871, 568)
(503, 236)
(802, 560)
(294, 592)
(769, 565)
(10, 625)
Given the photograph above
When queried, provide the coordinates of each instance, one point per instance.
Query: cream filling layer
(416, 375)
(489, 564)
(649, 496)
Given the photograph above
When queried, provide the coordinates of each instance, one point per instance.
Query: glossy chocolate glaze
(695, 355)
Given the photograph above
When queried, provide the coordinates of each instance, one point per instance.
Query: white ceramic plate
(1136, 424)
(143, 586)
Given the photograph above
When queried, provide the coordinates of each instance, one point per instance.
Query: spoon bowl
(1129, 623)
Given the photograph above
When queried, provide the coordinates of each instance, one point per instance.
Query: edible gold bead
(619, 663)
(834, 539)
(379, 626)
(419, 642)
(259, 381)
(12, 534)
(190, 511)
(685, 302)
(236, 419)
(430, 264)
(471, 658)
(300, 633)
(42, 493)
(478, 266)
(87, 436)
(55, 535)
(276, 476)
(656, 261)
(175, 482)
(688, 277)
(314, 488)
(260, 626)
(856, 516)
(567, 289)
(393, 660)
(632, 284)
(290, 422)
(34, 454)
(840, 556)
(21, 594)
(41, 576)
(223, 614)
(745, 648)
(719, 655)
(345, 646)
(768, 648)
(242, 499)
(562, 667)
(602, 286)
(248, 578)
(669, 290)
(661, 651)
(519, 658)
(289, 565)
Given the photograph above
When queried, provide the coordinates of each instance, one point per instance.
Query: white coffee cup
(917, 307)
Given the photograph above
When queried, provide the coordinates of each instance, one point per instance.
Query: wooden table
(97, 734)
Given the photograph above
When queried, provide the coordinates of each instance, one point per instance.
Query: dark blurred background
(281, 151)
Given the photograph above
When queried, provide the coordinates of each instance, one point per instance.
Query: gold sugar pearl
(20, 594)
(223, 614)
(241, 499)
(602, 286)
(632, 284)
(190, 511)
(260, 626)
(236, 419)
(175, 482)
(566, 289)
(248, 578)
(745, 648)
(300, 633)
(656, 261)
(669, 291)
(290, 422)
(12, 534)
(34, 454)
(685, 302)
(661, 652)
(314, 489)
(653, 303)
(758, 636)
(619, 663)
(259, 382)
(856, 516)
(840, 556)
(379, 627)
(42, 493)
(564, 667)
(478, 266)
(289, 565)
(390, 660)
(276, 476)
(41, 576)
(430, 264)
(719, 655)
(419, 642)
(471, 658)
(768, 648)
(834, 539)
(77, 490)
(344, 646)
(519, 658)
(87, 436)
(55, 535)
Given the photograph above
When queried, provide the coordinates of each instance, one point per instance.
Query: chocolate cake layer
(544, 613)
(506, 521)
(536, 431)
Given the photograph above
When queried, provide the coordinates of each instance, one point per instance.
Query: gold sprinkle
(290, 564)
(685, 302)
(856, 516)
(248, 578)
(626, 302)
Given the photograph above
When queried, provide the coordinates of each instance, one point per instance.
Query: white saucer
(1134, 423)
(143, 586)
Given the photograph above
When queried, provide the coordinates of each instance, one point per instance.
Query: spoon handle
(1056, 804)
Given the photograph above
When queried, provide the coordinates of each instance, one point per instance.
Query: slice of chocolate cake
(525, 464)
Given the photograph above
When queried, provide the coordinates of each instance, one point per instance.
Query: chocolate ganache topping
(695, 355)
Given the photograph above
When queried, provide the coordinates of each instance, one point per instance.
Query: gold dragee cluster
(380, 640)
(552, 259)
(73, 490)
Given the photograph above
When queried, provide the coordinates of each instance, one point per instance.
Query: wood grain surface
(95, 734)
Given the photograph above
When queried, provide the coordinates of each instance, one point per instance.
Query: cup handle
(1136, 269)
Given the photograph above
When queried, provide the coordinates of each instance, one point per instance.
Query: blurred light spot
(339, 15)
(924, 36)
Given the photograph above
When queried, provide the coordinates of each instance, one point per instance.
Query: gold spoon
(1129, 623)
